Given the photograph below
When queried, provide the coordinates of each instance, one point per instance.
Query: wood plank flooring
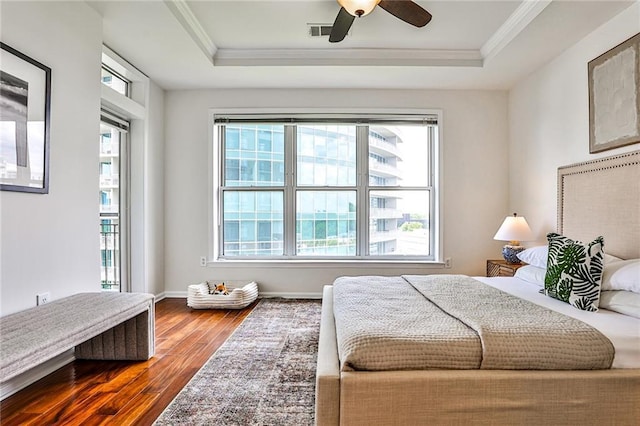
(127, 393)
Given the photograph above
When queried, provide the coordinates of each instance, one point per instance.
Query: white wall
(549, 122)
(154, 190)
(51, 242)
(475, 176)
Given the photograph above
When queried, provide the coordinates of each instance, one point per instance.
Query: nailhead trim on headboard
(610, 202)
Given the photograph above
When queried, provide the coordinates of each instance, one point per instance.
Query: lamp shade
(359, 7)
(514, 228)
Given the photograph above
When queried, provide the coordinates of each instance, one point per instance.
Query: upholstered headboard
(602, 197)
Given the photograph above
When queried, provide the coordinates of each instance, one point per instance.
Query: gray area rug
(264, 374)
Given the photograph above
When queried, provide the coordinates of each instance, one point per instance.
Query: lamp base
(510, 253)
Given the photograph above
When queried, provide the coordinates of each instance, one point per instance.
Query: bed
(346, 395)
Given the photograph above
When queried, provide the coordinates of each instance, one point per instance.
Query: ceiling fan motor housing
(359, 8)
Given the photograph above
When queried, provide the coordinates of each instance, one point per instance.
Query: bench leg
(132, 340)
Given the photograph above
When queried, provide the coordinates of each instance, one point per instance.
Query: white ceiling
(473, 44)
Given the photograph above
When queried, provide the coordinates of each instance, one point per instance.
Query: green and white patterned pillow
(574, 271)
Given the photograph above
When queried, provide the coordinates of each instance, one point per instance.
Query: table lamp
(514, 229)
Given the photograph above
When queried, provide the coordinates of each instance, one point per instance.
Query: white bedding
(623, 331)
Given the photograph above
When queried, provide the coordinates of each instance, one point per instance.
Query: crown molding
(347, 57)
(526, 12)
(183, 13)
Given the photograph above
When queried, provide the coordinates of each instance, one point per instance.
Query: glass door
(113, 198)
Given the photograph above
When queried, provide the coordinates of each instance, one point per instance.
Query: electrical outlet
(447, 262)
(203, 261)
(43, 298)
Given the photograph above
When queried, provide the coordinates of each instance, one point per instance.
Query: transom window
(115, 81)
(299, 188)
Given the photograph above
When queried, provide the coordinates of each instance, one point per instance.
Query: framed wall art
(25, 104)
(614, 97)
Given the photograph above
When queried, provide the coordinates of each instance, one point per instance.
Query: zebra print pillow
(574, 271)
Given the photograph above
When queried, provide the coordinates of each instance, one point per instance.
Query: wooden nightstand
(502, 268)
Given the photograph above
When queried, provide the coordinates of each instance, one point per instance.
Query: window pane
(248, 202)
(264, 140)
(232, 138)
(232, 171)
(114, 81)
(278, 141)
(399, 155)
(264, 231)
(231, 231)
(105, 168)
(248, 231)
(253, 223)
(264, 171)
(248, 138)
(248, 172)
(399, 223)
(326, 155)
(326, 223)
(277, 172)
(254, 155)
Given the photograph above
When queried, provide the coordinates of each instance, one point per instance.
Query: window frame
(362, 119)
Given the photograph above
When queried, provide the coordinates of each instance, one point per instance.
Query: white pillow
(536, 256)
(624, 302)
(622, 275)
(531, 274)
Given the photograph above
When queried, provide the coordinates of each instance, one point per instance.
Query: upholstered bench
(104, 326)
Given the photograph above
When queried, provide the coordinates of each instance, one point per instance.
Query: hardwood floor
(127, 393)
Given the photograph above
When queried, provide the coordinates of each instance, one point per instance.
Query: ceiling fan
(406, 10)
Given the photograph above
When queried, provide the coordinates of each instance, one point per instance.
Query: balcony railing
(110, 254)
(109, 181)
(109, 208)
(109, 149)
(380, 236)
(384, 213)
(376, 167)
(385, 146)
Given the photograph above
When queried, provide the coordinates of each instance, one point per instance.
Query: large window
(316, 188)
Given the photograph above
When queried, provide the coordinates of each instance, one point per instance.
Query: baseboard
(266, 294)
(160, 296)
(272, 294)
(31, 376)
(175, 294)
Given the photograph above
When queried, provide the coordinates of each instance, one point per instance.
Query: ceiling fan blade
(341, 26)
(407, 10)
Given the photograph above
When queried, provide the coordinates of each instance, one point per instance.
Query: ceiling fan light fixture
(358, 8)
